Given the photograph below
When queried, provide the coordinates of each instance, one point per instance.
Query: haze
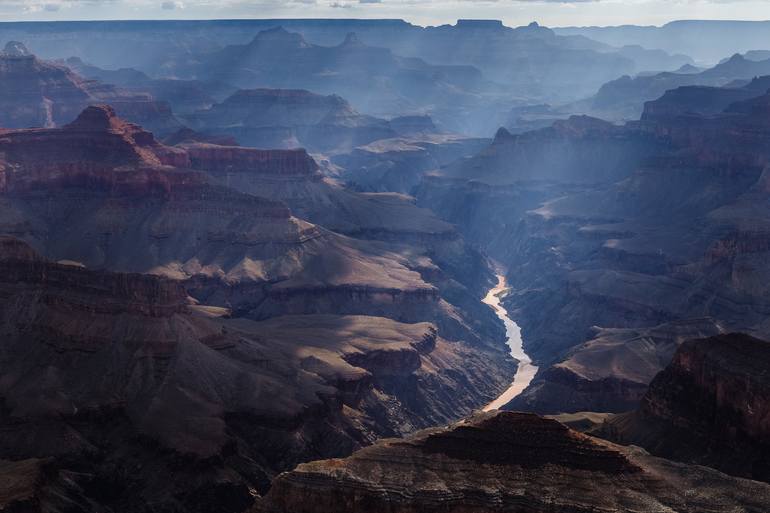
(428, 12)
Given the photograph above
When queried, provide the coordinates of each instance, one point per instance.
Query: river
(526, 371)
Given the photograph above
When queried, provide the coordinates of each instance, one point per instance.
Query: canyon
(266, 266)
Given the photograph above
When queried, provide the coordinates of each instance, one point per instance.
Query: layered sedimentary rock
(581, 150)
(285, 118)
(184, 96)
(709, 406)
(506, 462)
(610, 372)
(434, 248)
(294, 177)
(399, 164)
(674, 232)
(625, 98)
(106, 373)
(37, 93)
(373, 79)
(105, 194)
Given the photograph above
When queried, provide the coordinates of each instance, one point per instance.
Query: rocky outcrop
(505, 462)
(114, 186)
(372, 78)
(399, 164)
(658, 94)
(709, 406)
(610, 372)
(287, 118)
(223, 160)
(38, 93)
(578, 150)
(183, 96)
(94, 150)
(85, 290)
(109, 372)
(670, 228)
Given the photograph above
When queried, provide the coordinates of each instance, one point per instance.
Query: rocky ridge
(38, 93)
(709, 406)
(505, 461)
(286, 118)
(670, 231)
(108, 372)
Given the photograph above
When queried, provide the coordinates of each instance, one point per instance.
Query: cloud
(169, 5)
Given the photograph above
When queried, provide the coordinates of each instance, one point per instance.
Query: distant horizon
(320, 18)
(550, 13)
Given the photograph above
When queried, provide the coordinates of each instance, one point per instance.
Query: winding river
(526, 371)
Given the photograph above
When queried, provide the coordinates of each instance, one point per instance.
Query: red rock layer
(710, 406)
(222, 159)
(85, 290)
(504, 462)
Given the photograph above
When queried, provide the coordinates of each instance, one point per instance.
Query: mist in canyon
(364, 265)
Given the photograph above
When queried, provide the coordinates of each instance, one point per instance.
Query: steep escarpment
(709, 406)
(287, 118)
(672, 234)
(37, 93)
(105, 373)
(399, 164)
(373, 79)
(610, 372)
(578, 150)
(135, 294)
(103, 193)
(108, 164)
(504, 462)
(434, 248)
(294, 177)
(625, 98)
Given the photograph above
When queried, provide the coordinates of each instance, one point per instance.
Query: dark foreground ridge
(505, 461)
(709, 406)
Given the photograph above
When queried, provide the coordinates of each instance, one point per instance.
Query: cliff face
(88, 291)
(657, 222)
(37, 93)
(610, 372)
(581, 150)
(679, 92)
(107, 372)
(271, 163)
(503, 462)
(709, 406)
(221, 228)
(434, 248)
(288, 118)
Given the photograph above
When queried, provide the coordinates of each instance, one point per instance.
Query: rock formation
(106, 373)
(625, 97)
(374, 79)
(709, 406)
(506, 462)
(280, 118)
(629, 227)
(610, 372)
(38, 93)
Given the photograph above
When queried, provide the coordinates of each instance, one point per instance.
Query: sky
(422, 12)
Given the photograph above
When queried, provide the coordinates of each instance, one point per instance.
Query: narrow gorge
(526, 370)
